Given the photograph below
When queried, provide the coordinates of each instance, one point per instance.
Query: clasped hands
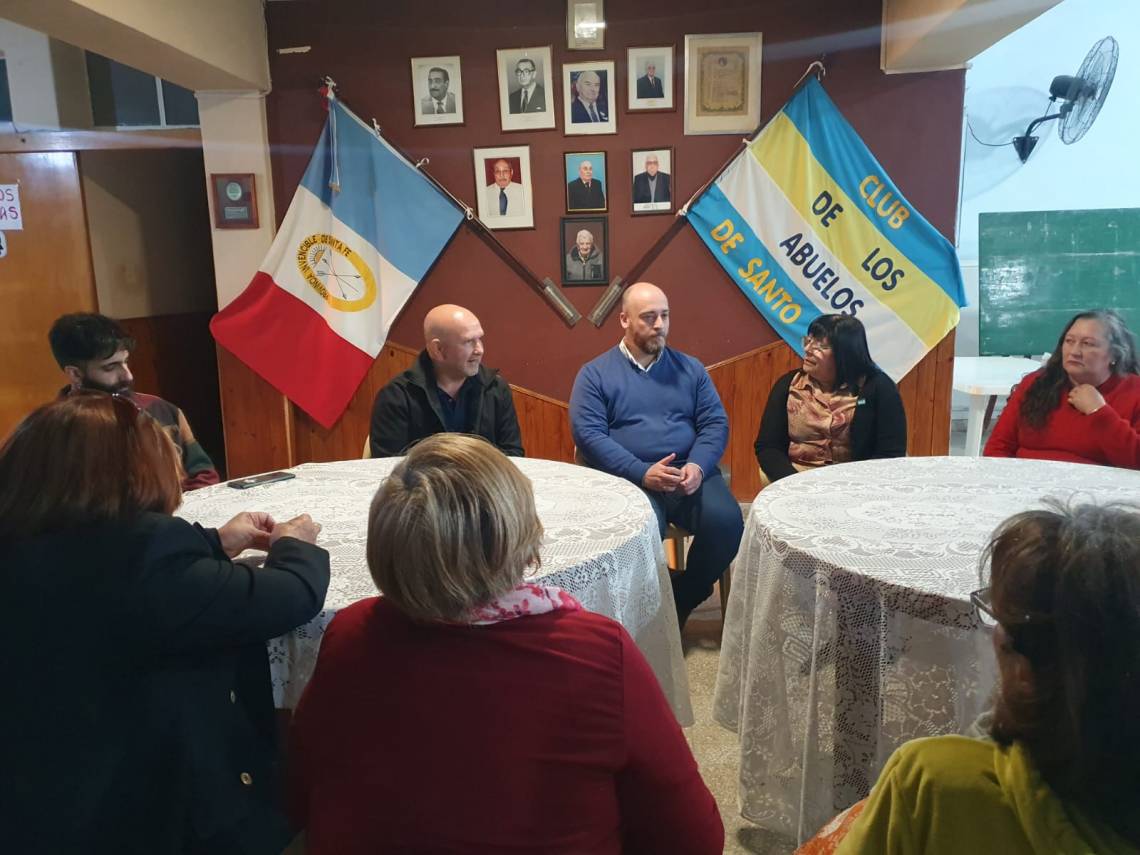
(257, 530)
(663, 478)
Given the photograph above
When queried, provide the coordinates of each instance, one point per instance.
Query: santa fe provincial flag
(806, 222)
(342, 266)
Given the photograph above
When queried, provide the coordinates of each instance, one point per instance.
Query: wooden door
(46, 272)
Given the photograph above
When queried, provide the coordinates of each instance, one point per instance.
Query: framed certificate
(722, 83)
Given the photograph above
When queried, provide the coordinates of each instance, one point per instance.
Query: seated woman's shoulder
(947, 762)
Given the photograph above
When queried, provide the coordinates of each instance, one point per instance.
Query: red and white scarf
(522, 601)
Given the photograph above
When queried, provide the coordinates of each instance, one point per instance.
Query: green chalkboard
(1037, 269)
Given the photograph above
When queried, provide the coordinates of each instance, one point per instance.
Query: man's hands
(691, 478)
(257, 530)
(663, 478)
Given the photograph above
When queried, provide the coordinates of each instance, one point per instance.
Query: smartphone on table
(257, 480)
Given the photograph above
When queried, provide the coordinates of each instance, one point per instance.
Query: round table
(601, 544)
(849, 628)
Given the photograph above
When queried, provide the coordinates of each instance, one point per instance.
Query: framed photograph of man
(585, 24)
(526, 88)
(503, 187)
(437, 90)
(588, 98)
(722, 83)
(650, 78)
(585, 181)
(585, 251)
(653, 180)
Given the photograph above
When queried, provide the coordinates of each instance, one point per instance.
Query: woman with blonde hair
(138, 716)
(467, 710)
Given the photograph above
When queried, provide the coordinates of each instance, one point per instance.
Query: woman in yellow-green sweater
(1062, 772)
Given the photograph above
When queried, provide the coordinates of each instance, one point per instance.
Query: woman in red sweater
(1084, 405)
(467, 711)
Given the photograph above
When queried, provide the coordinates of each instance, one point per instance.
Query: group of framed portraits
(722, 85)
(721, 92)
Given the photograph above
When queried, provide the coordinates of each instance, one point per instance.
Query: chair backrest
(367, 453)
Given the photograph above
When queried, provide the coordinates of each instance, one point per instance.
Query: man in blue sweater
(652, 415)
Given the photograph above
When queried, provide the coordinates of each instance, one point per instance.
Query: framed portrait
(653, 181)
(585, 251)
(586, 181)
(585, 24)
(722, 83)
(235, 200)
(588, 98)
(650, 78)
(437, 90)
(503, 187)
(526, 88)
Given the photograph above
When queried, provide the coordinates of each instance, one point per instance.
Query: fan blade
(1091, 85)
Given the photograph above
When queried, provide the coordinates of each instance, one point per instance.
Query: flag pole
(546, 289)
(609, 299)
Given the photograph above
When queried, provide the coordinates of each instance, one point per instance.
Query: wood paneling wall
(175, 358)
(743, 383)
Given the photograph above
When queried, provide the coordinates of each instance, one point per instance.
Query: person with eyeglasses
(838, 406)
(1058, 771)
(138, 709)
(1083, 405)
(530, 97)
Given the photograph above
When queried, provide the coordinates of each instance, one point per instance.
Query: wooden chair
(674, 543)
(367, 453)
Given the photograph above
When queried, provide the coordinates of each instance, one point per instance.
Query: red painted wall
(912, 123)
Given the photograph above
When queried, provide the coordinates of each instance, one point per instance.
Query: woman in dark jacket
(839, 406)
(138, 716)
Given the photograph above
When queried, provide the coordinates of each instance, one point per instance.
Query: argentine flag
(361, 232)
(807, 222)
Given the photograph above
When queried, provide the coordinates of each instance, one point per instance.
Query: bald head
(645, 319)
(453, 338)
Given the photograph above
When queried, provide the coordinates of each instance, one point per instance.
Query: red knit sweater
(1108, 437)
(545, 734)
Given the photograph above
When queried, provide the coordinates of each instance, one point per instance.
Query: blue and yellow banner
(806, 222)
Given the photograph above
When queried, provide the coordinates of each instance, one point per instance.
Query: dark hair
(442, 71)
(84, 337)
(88, 457)
(848, 340)
(1065, 587)
(1045, 393)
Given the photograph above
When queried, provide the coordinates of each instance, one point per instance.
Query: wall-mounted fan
(1081, 97)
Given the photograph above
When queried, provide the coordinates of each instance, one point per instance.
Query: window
(122, 96)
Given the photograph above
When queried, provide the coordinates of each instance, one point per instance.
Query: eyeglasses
(981, 601)
(815, 344)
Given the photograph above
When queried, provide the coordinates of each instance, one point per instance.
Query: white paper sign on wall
(3, 245)
(11, 220)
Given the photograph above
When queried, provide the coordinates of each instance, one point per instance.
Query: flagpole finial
(331, 84)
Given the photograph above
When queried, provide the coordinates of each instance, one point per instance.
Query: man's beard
(124, 388)
(652, 344)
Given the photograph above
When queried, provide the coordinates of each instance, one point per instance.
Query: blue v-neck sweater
(624, 419)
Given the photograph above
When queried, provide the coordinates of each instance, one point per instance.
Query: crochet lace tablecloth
(601, 544)
(849, 628)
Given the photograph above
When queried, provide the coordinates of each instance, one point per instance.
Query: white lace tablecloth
(602, 545)
(849, 628)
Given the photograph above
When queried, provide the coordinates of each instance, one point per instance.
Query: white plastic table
(984, 378)
(601, 544)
